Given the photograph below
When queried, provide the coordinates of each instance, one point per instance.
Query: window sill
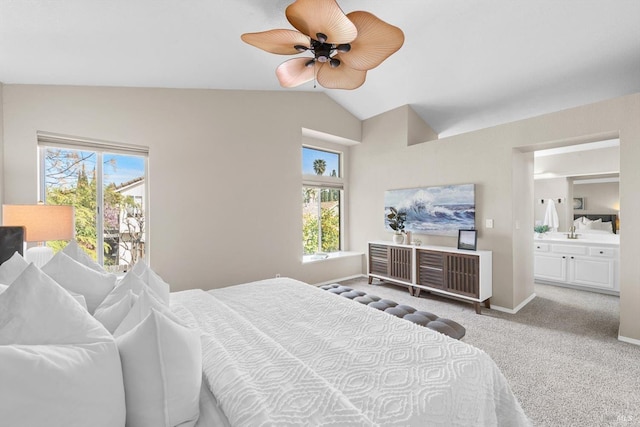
(308, 259)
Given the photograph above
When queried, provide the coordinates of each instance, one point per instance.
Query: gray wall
(224, 171)
(504, 187)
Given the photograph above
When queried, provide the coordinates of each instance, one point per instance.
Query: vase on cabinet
(398, 238)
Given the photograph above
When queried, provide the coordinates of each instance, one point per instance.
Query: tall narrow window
(322, 193)
(106, 184)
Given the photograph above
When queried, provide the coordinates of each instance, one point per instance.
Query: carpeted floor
(560, 353)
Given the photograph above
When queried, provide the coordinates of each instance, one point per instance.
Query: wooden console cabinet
(446, 271)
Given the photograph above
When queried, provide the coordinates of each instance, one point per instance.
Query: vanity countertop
(583, 239)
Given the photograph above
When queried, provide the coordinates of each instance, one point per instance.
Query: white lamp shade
(42, 222)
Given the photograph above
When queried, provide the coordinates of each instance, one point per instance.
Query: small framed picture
(578, 203)
(467, 239)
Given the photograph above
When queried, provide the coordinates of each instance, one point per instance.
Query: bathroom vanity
(588, 262)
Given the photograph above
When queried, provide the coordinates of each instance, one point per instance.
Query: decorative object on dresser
(439, 210)
(396, 219)
(462, 274)
(467, 239)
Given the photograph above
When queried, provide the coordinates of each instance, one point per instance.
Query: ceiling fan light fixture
(363, 41)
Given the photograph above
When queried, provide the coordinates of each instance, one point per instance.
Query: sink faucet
(572, 233)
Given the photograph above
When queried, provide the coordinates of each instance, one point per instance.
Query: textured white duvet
(281, 352)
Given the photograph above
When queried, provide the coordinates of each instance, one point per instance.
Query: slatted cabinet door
(463, 274)
(400, 265)
(431, 271)
(379, 259)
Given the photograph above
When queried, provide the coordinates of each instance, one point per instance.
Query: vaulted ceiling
(464, 65)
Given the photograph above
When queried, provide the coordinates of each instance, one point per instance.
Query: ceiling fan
(344, 47)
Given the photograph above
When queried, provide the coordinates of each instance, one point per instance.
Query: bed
(81, 347)
(281, 352)
(596, 223)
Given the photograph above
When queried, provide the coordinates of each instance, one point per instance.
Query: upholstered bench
(423, 318)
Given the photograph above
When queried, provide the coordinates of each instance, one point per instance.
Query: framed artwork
(578, 203)
(467, 239)
(441, 210)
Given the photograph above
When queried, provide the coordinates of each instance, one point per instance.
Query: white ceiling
(464, 65)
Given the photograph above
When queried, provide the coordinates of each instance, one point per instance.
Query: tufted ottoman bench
(423, 318)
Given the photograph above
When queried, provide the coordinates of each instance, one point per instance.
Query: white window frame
(51, 140)
(330, 183)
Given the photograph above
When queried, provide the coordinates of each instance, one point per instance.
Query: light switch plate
(488, 223)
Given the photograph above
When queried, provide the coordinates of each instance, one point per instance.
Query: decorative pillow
(140, 310)
(15, 265)
(60, 366)
(607, 226)
(11, 268)
(148, 276)
(129, 282)
(76, 252)
(591, 224)
(162, 369)
(579, 221)
(120, 300)
(75, 277)
(111, 315)
(80, 298)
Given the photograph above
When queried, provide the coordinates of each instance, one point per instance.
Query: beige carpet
(560, 353)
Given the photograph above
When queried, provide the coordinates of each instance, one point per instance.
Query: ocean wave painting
(439, 210)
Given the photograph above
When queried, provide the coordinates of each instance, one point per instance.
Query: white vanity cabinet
(588, 265)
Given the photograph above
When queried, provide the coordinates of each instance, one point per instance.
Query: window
(322, 193)
(106, 183)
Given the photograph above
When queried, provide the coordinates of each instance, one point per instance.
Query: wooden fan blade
(376, 41)
(281, 42)
(294, 72)
(321, 16)
(341, 77)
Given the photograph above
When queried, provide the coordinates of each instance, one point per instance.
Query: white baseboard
(514, 310)
(628, 340)
(340, 280)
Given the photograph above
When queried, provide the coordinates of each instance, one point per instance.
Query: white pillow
(139, 267)
(607, 226)
(11, 268)
(140, 310)
(148, 276)
(60, 366)
(120, 300)
(162, 369)
(75, 277)
(76, 252)
(15, 265)
(80, 298)
(111, 315)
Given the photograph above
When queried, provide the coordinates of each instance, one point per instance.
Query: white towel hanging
(551, 216)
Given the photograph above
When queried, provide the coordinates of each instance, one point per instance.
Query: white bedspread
(281, 352)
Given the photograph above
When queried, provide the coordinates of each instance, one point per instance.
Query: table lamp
(42, 223)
